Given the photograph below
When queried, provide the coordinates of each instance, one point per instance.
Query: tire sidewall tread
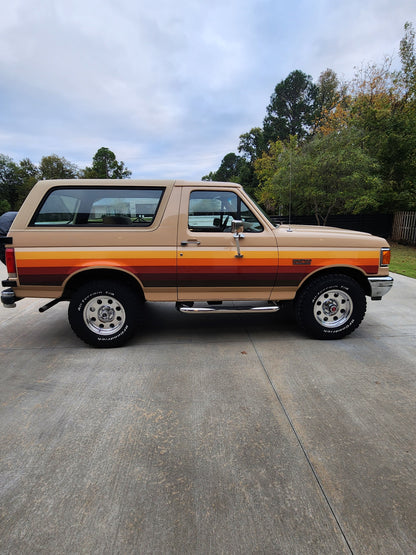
(123, 293)
(308, 296)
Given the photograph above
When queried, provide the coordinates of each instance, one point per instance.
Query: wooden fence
(404, 227)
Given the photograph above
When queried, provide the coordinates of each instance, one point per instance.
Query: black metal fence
(377, 224)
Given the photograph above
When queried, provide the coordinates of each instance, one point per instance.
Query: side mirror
(237, 227)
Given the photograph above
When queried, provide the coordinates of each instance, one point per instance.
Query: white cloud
(169, 86)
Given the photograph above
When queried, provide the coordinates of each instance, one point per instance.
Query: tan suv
(106, 246)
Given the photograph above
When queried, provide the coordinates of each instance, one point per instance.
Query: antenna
(290, 188)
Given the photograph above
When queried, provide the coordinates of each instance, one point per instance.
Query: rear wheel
(104, 313)
(331, 306)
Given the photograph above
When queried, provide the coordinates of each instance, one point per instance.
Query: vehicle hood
(322, 236)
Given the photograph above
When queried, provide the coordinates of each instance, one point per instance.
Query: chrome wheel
(104, 315)
(333, 308)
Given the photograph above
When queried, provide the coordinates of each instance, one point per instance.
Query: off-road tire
(330, 306)
(104, 313)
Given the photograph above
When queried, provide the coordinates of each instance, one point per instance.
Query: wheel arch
(91, 274)
(353, 273)
(331, 307)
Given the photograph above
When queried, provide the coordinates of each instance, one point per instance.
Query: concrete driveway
(209, 434)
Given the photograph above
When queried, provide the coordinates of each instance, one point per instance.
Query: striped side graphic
(154, 267)
(294, 265)
(221, 268)
(159, 267)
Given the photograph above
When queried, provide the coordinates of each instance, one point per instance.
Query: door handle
(190, 241)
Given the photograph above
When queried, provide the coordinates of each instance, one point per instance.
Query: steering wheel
(224, 223)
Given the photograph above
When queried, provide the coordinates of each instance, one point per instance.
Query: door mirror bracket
(237, 228)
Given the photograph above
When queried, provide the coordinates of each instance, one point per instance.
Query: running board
(226, 309)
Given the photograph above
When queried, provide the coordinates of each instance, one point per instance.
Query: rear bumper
(380, 286)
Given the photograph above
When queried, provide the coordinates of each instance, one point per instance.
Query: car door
(210, 263)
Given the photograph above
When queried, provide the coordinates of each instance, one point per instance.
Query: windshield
(263, 212)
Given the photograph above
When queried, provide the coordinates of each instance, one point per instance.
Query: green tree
(229, 169)
(328, 93)
(329, 174)
(57, 167)
(9, 183)
(266, 167)
(408, 59)
(372, 120)
(381, 103)
(106, 166)
(29, 175)
(252, 144)
(236, 169)
(292, 108)
(16, 180)
(4, 206)
(331, 95)
(292, 111)
(384, 107)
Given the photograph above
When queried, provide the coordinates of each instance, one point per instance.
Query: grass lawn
(403, 260)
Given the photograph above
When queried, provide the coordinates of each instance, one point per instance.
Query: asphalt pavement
(209, 434)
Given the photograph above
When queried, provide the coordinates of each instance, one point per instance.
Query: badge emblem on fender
(301, 261)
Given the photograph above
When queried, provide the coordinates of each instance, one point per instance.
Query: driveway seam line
(314, 472)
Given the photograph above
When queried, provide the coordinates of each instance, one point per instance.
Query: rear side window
(96, 206)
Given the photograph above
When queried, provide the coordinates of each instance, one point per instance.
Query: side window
(99, 207)
(213, 211)
(58, 209)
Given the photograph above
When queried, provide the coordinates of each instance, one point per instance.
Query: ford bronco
(106, 246)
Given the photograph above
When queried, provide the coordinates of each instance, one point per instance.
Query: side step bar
(186, 309)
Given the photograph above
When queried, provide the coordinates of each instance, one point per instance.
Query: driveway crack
(305, 453)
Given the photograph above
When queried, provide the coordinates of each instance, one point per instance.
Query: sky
(169, 86)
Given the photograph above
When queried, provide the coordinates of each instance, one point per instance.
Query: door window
(213, 211)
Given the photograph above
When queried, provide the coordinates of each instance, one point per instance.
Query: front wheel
(331, 306)
(104, 313)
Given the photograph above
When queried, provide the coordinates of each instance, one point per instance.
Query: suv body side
(183, 242)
